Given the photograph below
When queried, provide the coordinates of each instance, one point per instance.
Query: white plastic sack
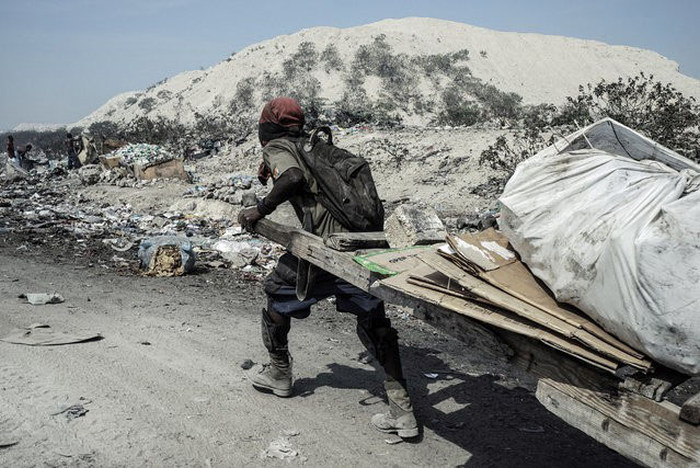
(617, 238)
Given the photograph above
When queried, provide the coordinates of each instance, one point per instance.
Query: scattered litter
(142, 154)
(120, 245)
(431, 375)
(247, 364)
(43, 335)
(6, 443)
(42, 298)
(280, 448)
(145, 343)
(72, 412)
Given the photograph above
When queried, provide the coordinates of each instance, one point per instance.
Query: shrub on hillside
(458, 110)
(655, 109)
(243, 98)
(331, 58)
(147, 104)
(105, 129)
(303, 60)
(443, 63)
(155, 130)
(497, 104)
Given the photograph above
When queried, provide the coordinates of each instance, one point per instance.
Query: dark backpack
(346, 187)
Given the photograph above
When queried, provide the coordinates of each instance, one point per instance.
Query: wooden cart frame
(629, 415)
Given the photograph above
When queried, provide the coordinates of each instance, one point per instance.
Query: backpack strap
(315, 135)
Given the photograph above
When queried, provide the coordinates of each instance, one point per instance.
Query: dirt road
(165, 386)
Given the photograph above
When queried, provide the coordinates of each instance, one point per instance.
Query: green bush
(498, 104)
(457, 110)
(147, 104)
(442, 63)
(331, 58)
(105, 129)
(303, 60)
(655, 109)
(243, 98)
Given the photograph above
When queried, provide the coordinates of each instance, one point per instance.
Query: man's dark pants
(373, 327)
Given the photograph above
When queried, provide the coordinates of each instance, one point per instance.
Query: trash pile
(49, 208)
(142, 154)
(132, 165)
(236, 190)
(118, 176)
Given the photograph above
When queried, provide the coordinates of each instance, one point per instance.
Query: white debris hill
(404, 66)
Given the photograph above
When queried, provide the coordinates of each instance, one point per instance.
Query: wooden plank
(629, 439)
(630, 418)
(690, 411)
(501, 319)
(311, 248)
(629, 442)
(527, 311)
(654, 386)
(509, 274)
(657, 421)
(352, 241)
(478, 337)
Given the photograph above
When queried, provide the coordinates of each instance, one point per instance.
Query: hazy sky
(62, 59)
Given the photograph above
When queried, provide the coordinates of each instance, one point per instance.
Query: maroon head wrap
(280, 117)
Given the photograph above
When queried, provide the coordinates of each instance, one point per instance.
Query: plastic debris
(42, 298)
(143, 154)
(166, 256)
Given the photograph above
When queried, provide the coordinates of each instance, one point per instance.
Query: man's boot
(275, 376)
(382, 341)
(400, 419)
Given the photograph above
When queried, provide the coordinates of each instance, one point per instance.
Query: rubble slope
(403, 64)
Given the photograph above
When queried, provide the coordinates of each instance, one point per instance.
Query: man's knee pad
(274, 334)
(381, 342)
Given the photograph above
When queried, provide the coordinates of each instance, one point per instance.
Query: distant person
(23, 159)
(71, 146)
(88, 150)
(11, 148)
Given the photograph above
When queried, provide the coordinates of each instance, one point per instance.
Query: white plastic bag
(617, 238)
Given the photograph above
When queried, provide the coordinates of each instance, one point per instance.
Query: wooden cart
(629, 415)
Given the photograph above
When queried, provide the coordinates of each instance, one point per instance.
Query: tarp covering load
(615, 232)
